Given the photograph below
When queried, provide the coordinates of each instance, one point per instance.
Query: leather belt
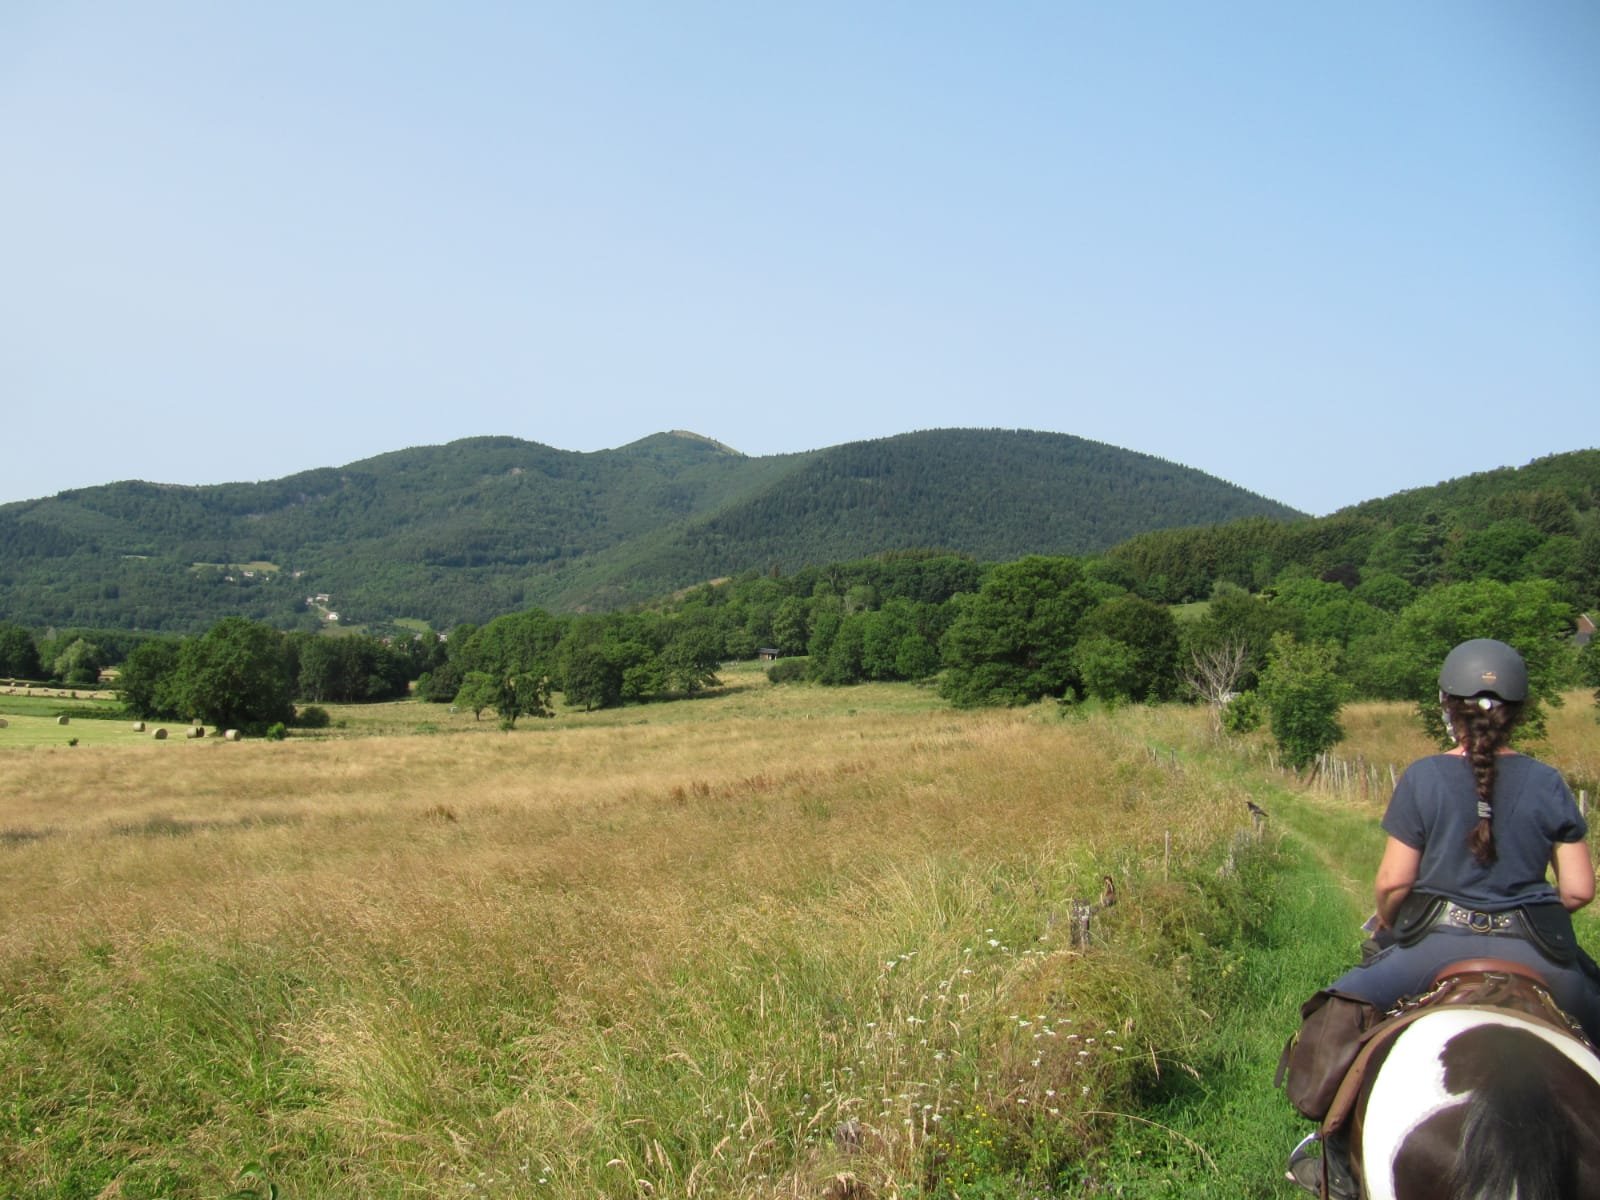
(1476, 921)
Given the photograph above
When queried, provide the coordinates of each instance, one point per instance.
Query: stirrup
(1307, 1170)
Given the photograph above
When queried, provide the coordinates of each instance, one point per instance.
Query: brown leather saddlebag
(1316, 1058)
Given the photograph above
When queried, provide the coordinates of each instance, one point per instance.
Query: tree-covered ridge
(486, 526)
(477, 500)
(1573, 477)
(1541, 521)
(446, 533)
(993, 494)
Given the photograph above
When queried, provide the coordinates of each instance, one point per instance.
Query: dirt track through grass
(1224, 1132)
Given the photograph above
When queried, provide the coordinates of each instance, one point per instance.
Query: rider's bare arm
(1396, 873)
(1574, 874)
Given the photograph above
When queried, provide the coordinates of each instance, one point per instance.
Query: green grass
(35, 721)
(1219, 1129)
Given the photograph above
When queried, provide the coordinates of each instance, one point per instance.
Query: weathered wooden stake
(1079, 934)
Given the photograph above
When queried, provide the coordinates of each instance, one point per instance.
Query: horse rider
(1463, 875)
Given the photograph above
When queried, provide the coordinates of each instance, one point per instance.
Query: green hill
(482, 526)
(1541, 520)
(992, 494)
(1557, 481)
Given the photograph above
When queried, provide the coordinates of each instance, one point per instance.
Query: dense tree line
(1013, 633)
(242, 674)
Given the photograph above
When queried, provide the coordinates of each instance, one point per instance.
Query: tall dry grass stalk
(731, 954)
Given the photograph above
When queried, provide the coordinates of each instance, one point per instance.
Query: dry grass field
(776, 941)
(728, 946)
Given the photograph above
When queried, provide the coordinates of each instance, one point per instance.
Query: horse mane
(1515, 1140)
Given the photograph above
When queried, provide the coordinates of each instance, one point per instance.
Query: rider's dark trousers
(1409, 971)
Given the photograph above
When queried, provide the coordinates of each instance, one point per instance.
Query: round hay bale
(233, 735)
(3, 722)
(138, 726)
(63, 720)
(194, 733)
(160, 735)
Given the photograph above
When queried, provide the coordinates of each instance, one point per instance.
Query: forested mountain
(1553, 484)
(484, 526)
(992, 495)
(1539, 521)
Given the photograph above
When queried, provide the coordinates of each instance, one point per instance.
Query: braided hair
(1483, 726)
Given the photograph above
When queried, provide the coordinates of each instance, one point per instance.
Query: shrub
(277, 731)
(1242, 714)
(1303, 694)
(312, 716)
(788, 670)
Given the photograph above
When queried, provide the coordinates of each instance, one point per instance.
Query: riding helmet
(1482, 667)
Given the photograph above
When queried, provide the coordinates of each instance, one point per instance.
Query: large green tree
(148, 678)
(590, 674)
(1128, 650)
(78, 664)
(349, 668)
(236, 676)
(1495, 552)
(19, 653)
(691, 654)
(900, 640)
(521, 643)
(1012, 642)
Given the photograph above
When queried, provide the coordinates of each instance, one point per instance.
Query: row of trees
(71, 658)
(515, 663)
(245, 675)
(1008, 634)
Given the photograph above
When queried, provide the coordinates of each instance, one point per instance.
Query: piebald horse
(1479, 1102)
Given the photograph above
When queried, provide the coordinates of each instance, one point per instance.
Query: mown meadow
(774, 941)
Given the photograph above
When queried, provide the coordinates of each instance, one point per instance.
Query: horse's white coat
(1410, 1087)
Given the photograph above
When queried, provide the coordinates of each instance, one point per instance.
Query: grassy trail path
(1224, 1132)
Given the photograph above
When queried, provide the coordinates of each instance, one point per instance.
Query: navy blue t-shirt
(1435, 806)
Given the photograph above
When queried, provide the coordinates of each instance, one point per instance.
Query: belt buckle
(1480, 922)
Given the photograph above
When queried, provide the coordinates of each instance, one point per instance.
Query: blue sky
(1325, 252)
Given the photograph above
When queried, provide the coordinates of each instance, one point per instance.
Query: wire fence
(1358, 778)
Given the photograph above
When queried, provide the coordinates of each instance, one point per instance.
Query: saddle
(1477, 983)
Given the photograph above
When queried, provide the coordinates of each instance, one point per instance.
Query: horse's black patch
(1416, 1166)
(1526, 1129)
